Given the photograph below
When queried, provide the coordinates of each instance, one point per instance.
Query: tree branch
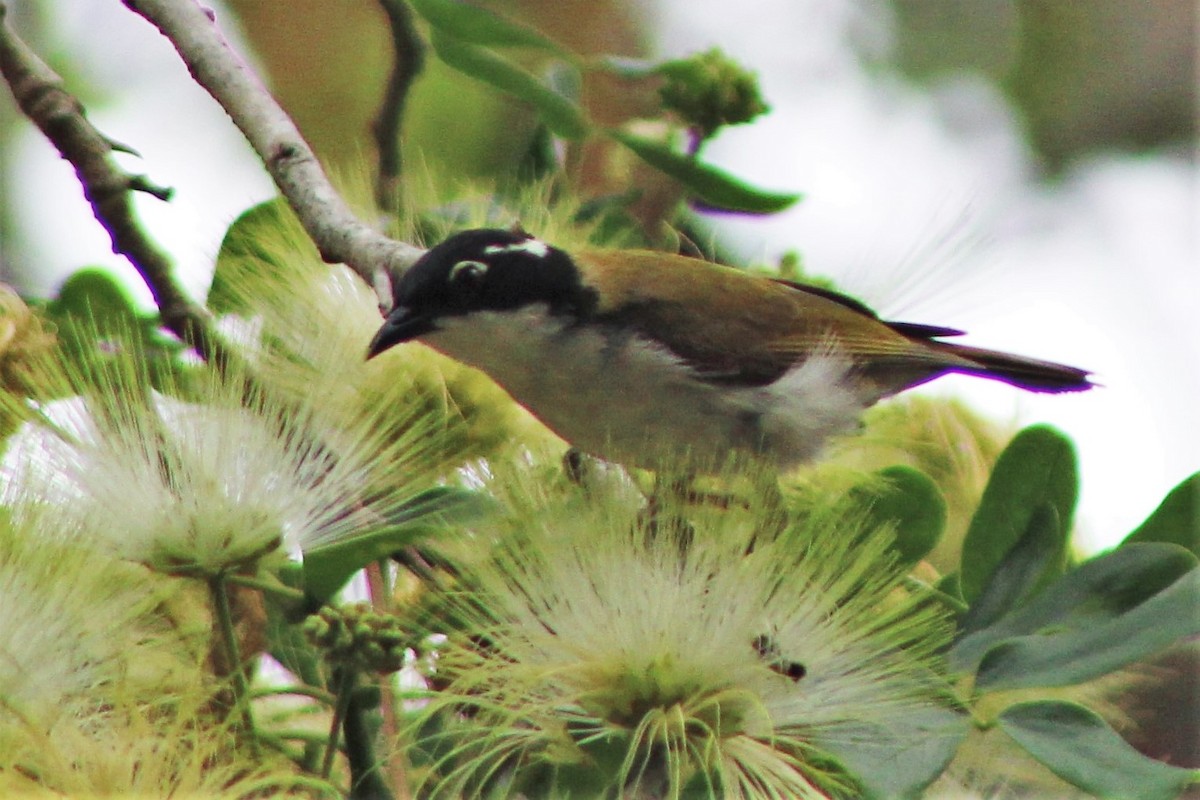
(409, 52)
(338, 234)
(40, 95)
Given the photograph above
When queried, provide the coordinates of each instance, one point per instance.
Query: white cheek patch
(535, 247)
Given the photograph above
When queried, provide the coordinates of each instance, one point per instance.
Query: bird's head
(479, 270)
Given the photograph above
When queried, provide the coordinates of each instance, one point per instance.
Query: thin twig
(409, 54)
(338, 234)
(40, 94)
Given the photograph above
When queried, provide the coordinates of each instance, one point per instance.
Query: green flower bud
(709, 90)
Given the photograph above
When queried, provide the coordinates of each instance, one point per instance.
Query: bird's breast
(622, 397)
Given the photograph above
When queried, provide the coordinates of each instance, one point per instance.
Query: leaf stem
(220, 597)
(268, 587)
(958, 605)
(345, 680)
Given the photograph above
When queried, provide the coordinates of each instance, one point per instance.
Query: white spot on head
(535, 247)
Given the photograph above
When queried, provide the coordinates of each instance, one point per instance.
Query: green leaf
(242, 250)
(911, 502)
(710, 185)
(1070, 619)
(1097, 590)
(1088, 651)
(1176, 520)
(561, 115)
(94, 306)
(328, 567)
(949, 584)
(901, 760)
(589, 771)
(285, 641)
(94, 294)
(1022, 572)
(96, 318)
(1079, 747)
(1037, 468)
(474, 24)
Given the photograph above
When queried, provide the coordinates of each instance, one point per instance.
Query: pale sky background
(923, 203)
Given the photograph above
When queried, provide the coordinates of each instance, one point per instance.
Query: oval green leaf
(1176, 520)
(1095, 646)
(474, 24)
(1022, 572)
(1078, 746)
(1038, 467)
(712, 186)
(245, 258)
(328, 567)
(1098, 590)
(901, 760)
(563, 117)
(94, 295)
(286, 641)
(909, 501)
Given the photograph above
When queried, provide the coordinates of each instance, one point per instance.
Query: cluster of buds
(358, 637)
(709, 91)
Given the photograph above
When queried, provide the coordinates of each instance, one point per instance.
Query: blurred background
(1022, 169)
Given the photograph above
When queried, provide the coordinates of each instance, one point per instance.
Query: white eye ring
(467, 271)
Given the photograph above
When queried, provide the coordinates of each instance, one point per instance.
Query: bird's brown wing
(733, 327)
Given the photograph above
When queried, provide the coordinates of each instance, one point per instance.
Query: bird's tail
(1032, 374)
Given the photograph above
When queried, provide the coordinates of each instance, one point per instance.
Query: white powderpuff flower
(600, 647)
(220, 479)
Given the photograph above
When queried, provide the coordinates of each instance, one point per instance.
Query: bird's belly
(622, 398)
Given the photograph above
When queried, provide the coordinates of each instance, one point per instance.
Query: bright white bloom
(597, 652)
(196, 487)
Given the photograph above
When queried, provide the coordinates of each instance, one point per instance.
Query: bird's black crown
(491, 269)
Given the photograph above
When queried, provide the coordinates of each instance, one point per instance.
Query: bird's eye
(468, 273)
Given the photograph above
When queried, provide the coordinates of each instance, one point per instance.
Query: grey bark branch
(339, 235)
(40, 95)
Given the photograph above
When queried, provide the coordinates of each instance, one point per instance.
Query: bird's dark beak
(402, 325)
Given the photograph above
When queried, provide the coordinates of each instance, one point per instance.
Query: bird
(646, 358)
